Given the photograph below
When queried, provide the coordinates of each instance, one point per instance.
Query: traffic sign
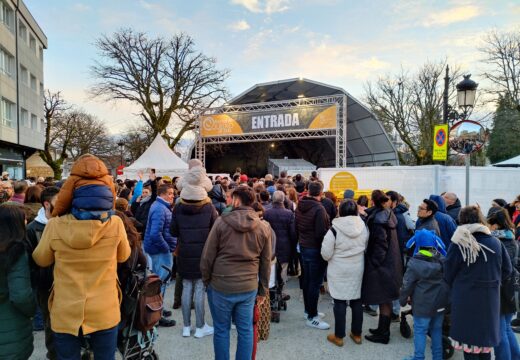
(440, 143)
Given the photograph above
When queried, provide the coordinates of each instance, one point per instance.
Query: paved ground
(290, 339)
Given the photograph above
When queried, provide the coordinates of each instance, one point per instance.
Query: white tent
(160, 157)
(513, 162)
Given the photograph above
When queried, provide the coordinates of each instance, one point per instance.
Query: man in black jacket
(453, 205)
(312, 223)
(42, 278)
(143, 204)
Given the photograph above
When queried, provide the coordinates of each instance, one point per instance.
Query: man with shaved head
(453, 205)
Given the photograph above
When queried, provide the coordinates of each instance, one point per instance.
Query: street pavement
(290, 339)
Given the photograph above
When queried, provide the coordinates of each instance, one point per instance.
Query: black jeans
(340, 315)
(314, 268)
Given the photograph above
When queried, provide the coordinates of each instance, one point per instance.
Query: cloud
(81, 7)
(451, 16)
(263, 6)
(239, 26)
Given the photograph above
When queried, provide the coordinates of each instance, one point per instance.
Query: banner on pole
(440, 143)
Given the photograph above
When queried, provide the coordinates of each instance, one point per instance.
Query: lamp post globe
(466, 93)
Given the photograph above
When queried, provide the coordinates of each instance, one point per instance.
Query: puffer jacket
(157, 237)
(282, 223)
(424, 282)
(85, 254)
(87, 170)
(195, 184)
(312, 223)
(447, 225)
(17, 304)
(191, 224)
(345, 254)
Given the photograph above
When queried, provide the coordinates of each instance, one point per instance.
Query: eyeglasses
(422, 208)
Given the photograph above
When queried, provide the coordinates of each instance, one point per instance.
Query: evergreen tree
(504, 141)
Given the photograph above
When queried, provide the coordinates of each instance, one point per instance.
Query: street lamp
(121, 145)
(466, 94)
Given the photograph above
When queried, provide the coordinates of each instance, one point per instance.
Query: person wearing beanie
(88, 174)
(195, 184)
(243, 179)
(348, 194)
(424, 285)
(192, 219)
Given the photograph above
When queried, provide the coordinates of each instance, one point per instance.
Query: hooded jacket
(453, 210)
(87, 170)
(237, 255)
(345, 254)
(312, 223)
(447, 225)
(424, 282)
(85, 254)
(157, 237)
(282, 222)
(404, 222)
(195, 184)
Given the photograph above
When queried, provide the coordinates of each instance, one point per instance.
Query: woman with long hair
(383, 270)
(17, 304)
(502, 228)
(476, 264)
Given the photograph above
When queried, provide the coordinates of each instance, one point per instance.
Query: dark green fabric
(17, 306)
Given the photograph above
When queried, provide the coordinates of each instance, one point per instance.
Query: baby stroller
(277, 298)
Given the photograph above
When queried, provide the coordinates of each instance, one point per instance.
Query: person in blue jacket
(447, 225)
(158, 242)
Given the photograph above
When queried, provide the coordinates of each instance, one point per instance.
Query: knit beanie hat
(348, 194)
(426, 239)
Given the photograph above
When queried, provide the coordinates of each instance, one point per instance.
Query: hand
(140, 175)
(260, 300)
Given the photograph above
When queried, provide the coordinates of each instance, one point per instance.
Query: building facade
(22, 124)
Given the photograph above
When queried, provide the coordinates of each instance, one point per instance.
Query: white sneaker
(306, 316)
(204, 331)
(318, 324)
(186, 331)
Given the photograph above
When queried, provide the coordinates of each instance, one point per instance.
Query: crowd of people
(67, 249)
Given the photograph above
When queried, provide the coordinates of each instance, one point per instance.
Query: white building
(22, 124)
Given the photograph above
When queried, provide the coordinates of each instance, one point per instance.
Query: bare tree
(90, 136)
(411, 104)
(57, 130)
(501, 52)
(137, 140)
(168, 79)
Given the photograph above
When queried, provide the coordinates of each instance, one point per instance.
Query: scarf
(469, 246)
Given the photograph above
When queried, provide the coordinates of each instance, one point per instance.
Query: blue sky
(343, 43)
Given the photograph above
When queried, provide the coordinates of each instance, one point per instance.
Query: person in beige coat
(344, 248)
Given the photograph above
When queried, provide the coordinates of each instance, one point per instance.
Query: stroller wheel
(447, 348)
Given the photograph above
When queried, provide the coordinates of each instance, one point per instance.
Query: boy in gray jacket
(424, 285)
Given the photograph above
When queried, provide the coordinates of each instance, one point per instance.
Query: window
(7, 113)
(41, 88)
(7, 15)
(41, 53)
(24, 75)
(22, 32)
(24, 117)
(6, 63)
(34, 122)
(42, 125)
(33, 83)
(32, 43)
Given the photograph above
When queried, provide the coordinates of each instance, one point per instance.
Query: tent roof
(160, 157)
(367, 141)
(513, 162)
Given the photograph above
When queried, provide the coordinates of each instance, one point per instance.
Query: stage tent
(513, 162)
(160, 157)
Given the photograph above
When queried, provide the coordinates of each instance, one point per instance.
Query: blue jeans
(314, 268)
(103, 344)
(421, 327)
(240, 307)
(158, 260)
(508, 348)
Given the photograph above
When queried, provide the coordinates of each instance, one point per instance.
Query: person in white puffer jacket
(344, 248)
(195, 184)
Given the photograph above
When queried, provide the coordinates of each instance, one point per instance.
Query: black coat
(383, 273)
(475, 292)
(142, 211)
(403, 234)
(282, 223)
(191, 223)
(454, 210)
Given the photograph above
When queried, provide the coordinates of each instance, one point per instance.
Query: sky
(341, 43)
